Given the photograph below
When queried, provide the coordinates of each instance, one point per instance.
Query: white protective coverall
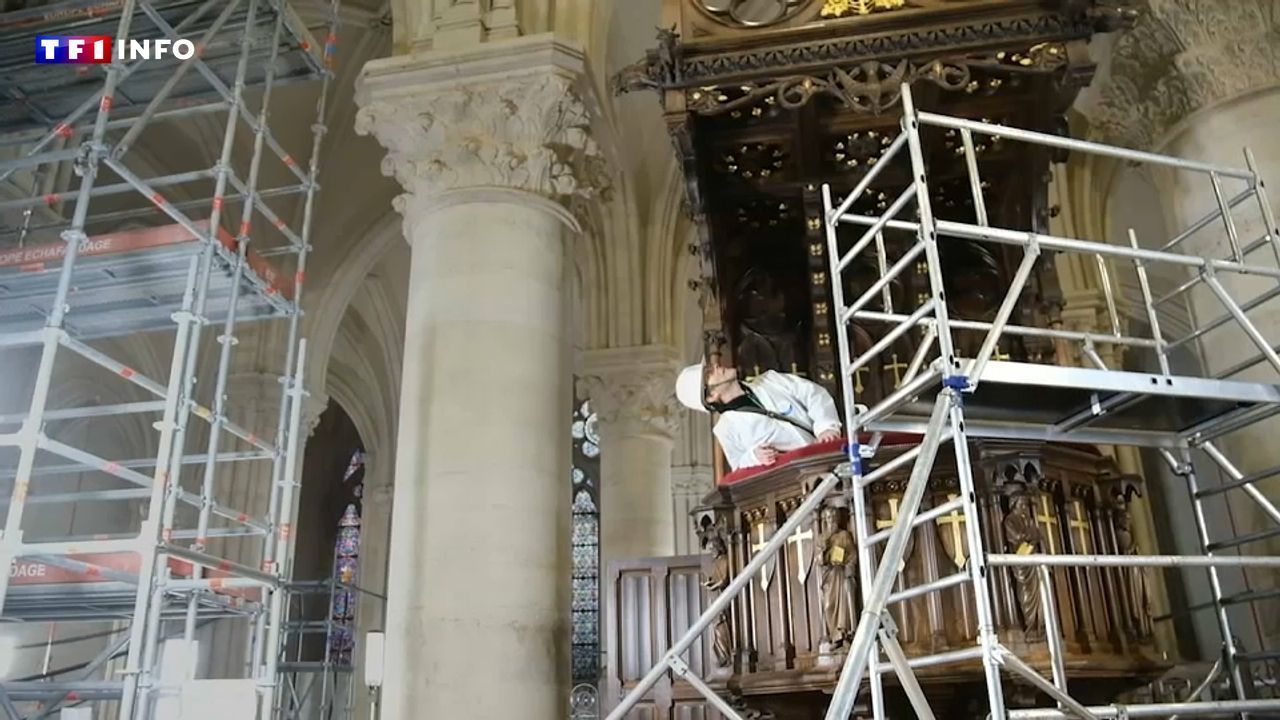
(741, 433)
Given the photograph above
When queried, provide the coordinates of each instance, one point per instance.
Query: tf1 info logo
(102, 49)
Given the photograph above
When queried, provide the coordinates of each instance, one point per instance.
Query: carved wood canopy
(766, 100)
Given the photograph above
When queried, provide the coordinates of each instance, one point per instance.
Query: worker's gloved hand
(767, 454)
(829, 435)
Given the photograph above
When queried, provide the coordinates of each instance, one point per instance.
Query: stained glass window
(355, 465)
(584, 484)
(346, 563)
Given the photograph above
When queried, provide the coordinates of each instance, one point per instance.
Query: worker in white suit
(760, 418)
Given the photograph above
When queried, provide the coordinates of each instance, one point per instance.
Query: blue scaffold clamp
(956, 382)
(855, 455)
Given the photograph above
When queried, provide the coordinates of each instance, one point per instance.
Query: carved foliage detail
(641, 394)
(839, 50)
(1184, 55)
(845, 8)
(873, 86)
(527, 133)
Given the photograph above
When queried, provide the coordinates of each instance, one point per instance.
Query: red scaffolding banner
(47, 257)
(99, 567)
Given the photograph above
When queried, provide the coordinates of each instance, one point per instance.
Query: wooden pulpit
(779, 648)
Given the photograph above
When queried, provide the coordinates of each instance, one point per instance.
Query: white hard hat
(689, 387)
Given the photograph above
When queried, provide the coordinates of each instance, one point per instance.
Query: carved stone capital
(313, 406)
(633, 384)
(1183, 56)
(253, 401)
(257, 392)
(694, 481)
(510, 116)
(379, 495)
(255, 398)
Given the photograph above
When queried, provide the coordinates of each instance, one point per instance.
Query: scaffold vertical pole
(864, 642)
(1264, 206)
(32, 427)
(1153, 317)
(928, 233)
(977, 566)
(228, 338)
(1183, 466)
(253, 635)
(848, 387)
(284, 540)
(162, 480)
(268, 657)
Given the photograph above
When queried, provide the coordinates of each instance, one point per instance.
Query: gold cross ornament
(857, 379)
(893, 520)
(1078, 523)
(1049, 521)
(897, 367)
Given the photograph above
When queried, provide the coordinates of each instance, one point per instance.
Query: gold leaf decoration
(846, 8)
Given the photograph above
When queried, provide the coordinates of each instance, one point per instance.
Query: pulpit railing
(948, 398)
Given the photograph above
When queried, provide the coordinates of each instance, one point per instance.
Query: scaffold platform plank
(130, 281)
(106, 600)
(1093, 405)
(40, 96)
(89, 583)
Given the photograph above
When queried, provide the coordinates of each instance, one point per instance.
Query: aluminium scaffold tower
(949, 399)
(320, 683)
(232, 253)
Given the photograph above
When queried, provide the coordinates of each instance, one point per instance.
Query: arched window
(585, 489)
(346, 564)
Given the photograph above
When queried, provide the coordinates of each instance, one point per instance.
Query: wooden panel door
(650, 603)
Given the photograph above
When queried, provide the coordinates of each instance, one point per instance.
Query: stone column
(1201, 80)
(493, 149)
(633, 393)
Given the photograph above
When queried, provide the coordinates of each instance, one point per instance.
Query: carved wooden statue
(1022, 535)
(767, 337)
(1138, 600)
(839, 561)
(719, 579)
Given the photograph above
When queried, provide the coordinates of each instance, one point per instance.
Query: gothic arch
(336, 284)
(670, 257)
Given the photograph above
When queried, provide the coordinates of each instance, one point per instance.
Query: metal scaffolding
(320, 682)
(949, 399)
(68, 137)
(323, 687)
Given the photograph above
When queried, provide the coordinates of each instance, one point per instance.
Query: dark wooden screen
(650, 603)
